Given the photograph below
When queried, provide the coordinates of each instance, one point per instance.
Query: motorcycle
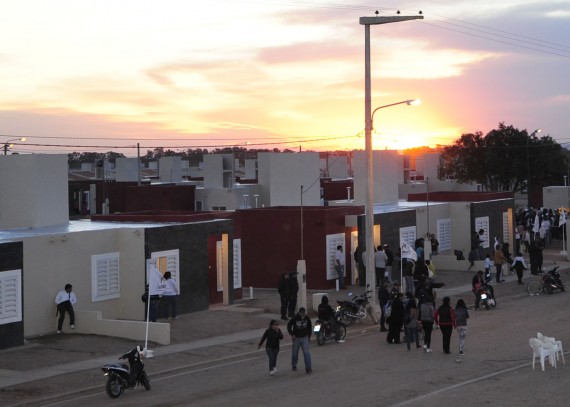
(324, 331)
(551, 280)
(487, 297)
(353, 311)
(119, 374)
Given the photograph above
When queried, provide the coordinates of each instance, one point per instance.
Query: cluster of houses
(214, 232)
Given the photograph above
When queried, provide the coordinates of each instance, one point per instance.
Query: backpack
(388, 309)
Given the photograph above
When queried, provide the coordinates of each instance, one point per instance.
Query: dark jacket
(273, 337)
(397, 314)
(284, 286)
(383, 295)
(325, 312)
(300, 327)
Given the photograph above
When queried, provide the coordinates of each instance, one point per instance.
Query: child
(273, 335)
(488, 276)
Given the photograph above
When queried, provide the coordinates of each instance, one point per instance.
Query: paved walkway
(41, 358)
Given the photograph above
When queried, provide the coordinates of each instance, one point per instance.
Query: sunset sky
(82, 75)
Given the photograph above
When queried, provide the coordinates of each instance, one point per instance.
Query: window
(198, 206)
(105, 282)
(506, 228)
(218, 208)
(168, 260)
(10, 296)
(237, 263)
(332, 242)
(483, 223)
(408, 235)
(444, 234)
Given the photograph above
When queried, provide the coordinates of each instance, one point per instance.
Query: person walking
(273, 335)
(65, 299)
(396, 318)
(411, 324)
(300, 328)
(461, 316)
(426, 317)
(499, 259)
(169, 297)
(284, 289)
(444, 317)
(519, 265)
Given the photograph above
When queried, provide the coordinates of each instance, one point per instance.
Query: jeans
(303, 343)
(428, 328)
(379, 275)
(410, 288)
(272, 355)
(499, 267)
(412, 333)
(340, 273)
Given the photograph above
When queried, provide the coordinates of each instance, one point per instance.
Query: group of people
(165, 305)
(421, 316)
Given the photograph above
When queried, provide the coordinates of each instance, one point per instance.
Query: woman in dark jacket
(396, 319)
(445, 317)
(273, 335)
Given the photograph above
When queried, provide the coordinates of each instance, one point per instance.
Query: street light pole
(8, 145)
(534, 133)
(369, 209)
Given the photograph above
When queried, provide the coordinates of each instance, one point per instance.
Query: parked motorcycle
(351, 311)
(324, 331)
(551, 280)
(487, 297)
(119, 374)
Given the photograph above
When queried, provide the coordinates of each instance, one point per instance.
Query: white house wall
(555, 197)
(33, 191)
(169, 169)
(436, 212)
(50, 262)
(231, 198)
(127, 170)
(388, 168)
(282, 174)
(460, 214)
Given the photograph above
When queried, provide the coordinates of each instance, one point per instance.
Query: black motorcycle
(324, 331)
(119, 374)
(351, 311)
(551, 281)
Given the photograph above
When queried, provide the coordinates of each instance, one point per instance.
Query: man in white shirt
(65, 300)
(380, 259)
(339, 266)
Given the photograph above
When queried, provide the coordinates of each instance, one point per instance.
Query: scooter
(551, 280)
(119, 374)
(324, 331)
(487, 298)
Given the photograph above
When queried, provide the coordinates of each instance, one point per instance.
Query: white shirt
(380, 259)
(65, 296)
(339, 257)
(519, 258)
(171, 288)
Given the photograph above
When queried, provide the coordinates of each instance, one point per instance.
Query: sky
(81, 75)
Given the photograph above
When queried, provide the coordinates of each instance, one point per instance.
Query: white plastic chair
(557, 345)
(542, 350)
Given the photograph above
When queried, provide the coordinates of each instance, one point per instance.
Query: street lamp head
(534, 133)
(414, 102)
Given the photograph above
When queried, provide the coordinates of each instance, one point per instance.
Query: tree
(503, 159)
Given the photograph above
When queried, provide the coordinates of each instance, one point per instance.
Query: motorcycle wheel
(320, 339)
(145, 382)
(534, 287)
(549, 289)
(561, 286)
(345, 319)
(342, 330)
(114, 387)
(486, 305)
